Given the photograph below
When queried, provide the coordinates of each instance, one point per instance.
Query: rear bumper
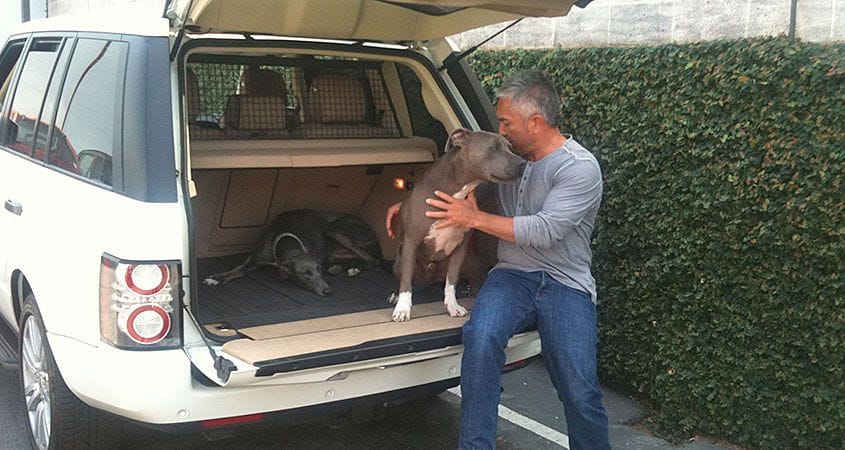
(157, 387)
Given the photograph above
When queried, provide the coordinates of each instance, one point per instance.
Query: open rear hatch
(380, 20)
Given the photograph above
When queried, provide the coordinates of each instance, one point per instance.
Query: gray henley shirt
(554, 206)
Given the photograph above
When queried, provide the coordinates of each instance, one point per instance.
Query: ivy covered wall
(719, 250)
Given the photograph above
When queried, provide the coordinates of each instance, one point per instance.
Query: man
(542, 277)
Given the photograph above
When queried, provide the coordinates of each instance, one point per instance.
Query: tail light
(139, 303)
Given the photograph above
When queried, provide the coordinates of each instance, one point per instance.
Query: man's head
(528, 109)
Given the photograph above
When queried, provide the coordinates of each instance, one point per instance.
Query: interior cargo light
(402, 184)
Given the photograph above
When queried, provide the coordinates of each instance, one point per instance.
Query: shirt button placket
(520, 194)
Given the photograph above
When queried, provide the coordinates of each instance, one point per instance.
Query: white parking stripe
(531, 425)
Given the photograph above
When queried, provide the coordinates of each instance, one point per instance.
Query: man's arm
(465, 213)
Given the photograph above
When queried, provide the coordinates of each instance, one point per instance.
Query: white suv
(139, 156)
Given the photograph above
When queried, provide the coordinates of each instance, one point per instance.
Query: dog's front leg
(229, 275)
(346, 243)
(408, 259)
(453, 272)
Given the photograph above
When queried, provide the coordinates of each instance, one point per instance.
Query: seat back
(336, 107)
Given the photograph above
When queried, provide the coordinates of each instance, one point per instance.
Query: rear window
(88, 126)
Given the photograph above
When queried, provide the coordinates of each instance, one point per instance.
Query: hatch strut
(455, 57)
(223, 366)
(180, 28)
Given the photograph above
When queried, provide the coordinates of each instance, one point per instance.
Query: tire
(55, 417)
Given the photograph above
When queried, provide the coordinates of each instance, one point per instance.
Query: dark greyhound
(472, 157)
(298, 242)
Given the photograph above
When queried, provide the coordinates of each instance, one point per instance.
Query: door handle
(14, 207)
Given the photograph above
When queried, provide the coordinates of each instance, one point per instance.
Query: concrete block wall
(643, 22)
(152, 8)
(611, 22)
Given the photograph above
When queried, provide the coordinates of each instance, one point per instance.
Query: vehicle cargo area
(276, 133)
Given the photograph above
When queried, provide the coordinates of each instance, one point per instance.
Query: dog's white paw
(402, 311)
(211, 281)
(353, 272)
(455, 309)
(401, 315)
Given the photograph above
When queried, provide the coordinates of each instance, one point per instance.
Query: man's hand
(391, 214)
(454, 211)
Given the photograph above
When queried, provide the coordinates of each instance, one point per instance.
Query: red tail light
(140, 303)
(229, 421)
(146, 279)
(147, 324)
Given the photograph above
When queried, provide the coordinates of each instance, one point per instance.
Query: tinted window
(422, 122)
(89, 117)
(8, 61)
(49, 108)
(29, 95)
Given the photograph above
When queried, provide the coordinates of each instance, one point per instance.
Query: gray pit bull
(298, 242)
(472, 157)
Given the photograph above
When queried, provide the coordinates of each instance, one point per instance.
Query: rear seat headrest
(255, 112)
(263, 82)
(336, 98)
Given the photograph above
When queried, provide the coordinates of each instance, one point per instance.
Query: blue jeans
(509, 302)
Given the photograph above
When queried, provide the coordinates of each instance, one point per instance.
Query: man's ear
(538, 122)
(457, 138)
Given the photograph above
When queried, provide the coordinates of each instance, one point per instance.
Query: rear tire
(55, 417)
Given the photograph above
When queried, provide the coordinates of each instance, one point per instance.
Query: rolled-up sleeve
(575, 193)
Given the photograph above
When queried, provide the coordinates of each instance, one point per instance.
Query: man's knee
(482, 334)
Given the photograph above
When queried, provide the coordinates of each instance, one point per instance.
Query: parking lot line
(529, 424)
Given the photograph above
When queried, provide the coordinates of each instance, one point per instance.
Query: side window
(49, 108)
(422, 122)
(8, 62)
(88, 127)
(29, 94)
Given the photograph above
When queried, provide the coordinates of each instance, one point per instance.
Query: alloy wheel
(36, 382)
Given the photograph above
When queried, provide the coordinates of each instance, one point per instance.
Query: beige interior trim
(265, 153)
(344, 321)
(362, 19)
(253, 351)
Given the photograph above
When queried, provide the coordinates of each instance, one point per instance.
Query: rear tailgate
(383, 20)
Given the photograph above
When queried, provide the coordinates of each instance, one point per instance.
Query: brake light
(146, 324)
(140, 303)
(516, 365)
(145, 279)
(229, 421)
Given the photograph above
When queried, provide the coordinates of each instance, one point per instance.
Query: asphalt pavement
(531, 417)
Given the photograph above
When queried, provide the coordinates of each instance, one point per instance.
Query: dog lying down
(471, 157)
(298, 243)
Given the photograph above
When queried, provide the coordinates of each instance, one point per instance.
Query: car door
(9, 62)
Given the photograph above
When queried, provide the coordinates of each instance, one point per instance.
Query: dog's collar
(284, 235)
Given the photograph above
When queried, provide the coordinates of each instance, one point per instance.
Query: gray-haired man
(543, 274)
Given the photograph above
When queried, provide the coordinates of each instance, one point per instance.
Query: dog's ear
(457, 139)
